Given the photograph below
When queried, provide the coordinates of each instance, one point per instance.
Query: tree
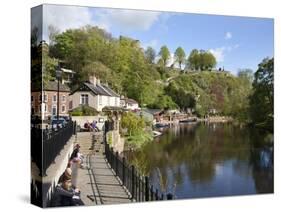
(150, 54)
(180, 56)
(261, 101)
(246, 74)
(201, 60)
(209, 60)
(164, 54)
(132, 123)
(193, 60)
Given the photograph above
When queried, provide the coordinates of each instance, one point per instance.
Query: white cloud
(228, 36)
(220, 52)
(171, 61)
(64, 17)
(126, 19)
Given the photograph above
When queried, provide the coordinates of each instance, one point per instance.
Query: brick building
(44, 102)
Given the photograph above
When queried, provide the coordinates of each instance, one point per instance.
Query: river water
(208, 160)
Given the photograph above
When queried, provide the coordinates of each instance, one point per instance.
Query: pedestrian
(77, 155)
(75, 164)
(68, 195)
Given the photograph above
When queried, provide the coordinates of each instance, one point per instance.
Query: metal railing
(138, 186)
(46, 144)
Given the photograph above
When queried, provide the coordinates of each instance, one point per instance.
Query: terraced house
(44, 102)
(94, 94)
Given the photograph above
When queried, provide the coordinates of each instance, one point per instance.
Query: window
(40, 98)
(63, 108)
(63, 98)
(54, 98)
(84, 99)
(54, 110)
(46, 108)
(32, 111)
(45, 98)
(32, 98)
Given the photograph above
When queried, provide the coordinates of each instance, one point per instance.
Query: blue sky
(237, 42)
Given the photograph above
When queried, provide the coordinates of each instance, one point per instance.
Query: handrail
(138, 185)
(46, 144)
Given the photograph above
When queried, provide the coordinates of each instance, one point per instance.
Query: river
(208, 160)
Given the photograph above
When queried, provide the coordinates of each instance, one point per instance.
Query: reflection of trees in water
(262, 162)
(198, 149)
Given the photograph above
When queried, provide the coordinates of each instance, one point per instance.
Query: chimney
(98, 81)
(93, 80)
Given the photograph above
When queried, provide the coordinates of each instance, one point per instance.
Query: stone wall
(81, 120)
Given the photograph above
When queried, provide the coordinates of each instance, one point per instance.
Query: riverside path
(98, 184)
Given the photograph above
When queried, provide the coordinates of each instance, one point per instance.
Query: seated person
(67, 194)
(88, 126)
(94, 126)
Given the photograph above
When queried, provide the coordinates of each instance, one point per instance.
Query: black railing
(46, 144)
(138, 185)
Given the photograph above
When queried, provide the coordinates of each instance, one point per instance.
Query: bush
(84, 110)
(132, 123)
(139, 139)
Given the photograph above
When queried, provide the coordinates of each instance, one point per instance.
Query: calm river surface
(205, 160)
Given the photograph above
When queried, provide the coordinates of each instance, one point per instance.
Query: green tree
(132, 123)
(193, 61)
(201, 60)
(261, 101)
(150, 54)
(209, 61)
(164, 54)
(246, 74)
(180, 56)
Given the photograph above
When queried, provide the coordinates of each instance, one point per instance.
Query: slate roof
(50, 86)
(53, 86)
(99, 89)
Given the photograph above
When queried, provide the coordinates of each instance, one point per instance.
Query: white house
(93, 94)
(129, 104)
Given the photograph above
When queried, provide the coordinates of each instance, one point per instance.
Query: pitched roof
(49, 86)
(99, 89)
(96, 89)
(109, 90)
(53, 86)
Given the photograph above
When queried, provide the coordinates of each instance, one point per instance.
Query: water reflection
(202, 160)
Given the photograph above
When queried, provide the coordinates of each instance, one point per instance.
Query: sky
(236, 42)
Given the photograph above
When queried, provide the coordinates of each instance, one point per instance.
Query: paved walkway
(98, 184)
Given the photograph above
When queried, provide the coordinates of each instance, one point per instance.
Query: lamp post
(58, 75)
